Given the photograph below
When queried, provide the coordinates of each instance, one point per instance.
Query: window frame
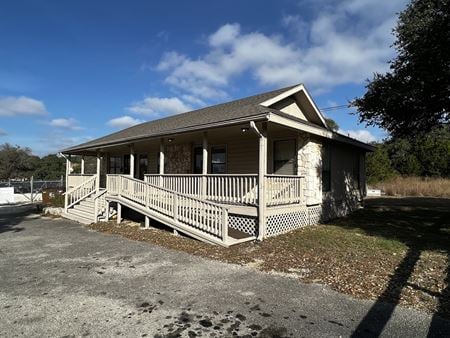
(142, 157)
(211, 164)
(295, 158)
(196, 148)
(118, 165)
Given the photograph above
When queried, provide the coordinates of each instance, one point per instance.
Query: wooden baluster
(175, 207)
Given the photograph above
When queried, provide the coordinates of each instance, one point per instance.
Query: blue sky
(71, 71)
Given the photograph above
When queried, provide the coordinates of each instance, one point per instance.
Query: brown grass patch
(416, 186)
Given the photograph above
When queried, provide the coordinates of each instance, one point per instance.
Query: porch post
(131, 161)
(107, 211)
(119, 212)
(262, 171)
(82, 165)
(205, 164)
(161, 161)
(68, 167)
(97, 182)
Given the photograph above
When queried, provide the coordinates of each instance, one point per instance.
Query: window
(143, 166)
(284, 157)
(218, 160)
(198, 160)
(126, 164)
(326, 168)
(115, 165)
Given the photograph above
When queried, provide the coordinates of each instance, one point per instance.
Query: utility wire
(335, 107)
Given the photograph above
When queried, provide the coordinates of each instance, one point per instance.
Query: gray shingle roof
(229, 111)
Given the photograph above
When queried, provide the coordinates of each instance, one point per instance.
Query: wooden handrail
(209, 217)
(200, 175)
(77, 186)
(171, 191)
(77, 194)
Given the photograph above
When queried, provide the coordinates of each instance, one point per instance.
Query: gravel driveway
(58, 278)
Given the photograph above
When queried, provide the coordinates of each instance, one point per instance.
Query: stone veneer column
(310, 166)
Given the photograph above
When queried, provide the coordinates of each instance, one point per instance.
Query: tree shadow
(10, 221)
(421, 224)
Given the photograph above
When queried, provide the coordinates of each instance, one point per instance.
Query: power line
(335, 107)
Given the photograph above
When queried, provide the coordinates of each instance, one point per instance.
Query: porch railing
(234, 189)
(202, 215)
(184, 184)
(80, 192)
(99, 204)
(281, 190)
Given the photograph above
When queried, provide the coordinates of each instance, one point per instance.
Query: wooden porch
(205, 207)
(240, 179)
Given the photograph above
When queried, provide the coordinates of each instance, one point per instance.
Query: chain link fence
(32, 190)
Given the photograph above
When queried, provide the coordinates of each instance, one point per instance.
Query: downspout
(262, 160)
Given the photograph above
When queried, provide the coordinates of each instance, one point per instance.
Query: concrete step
(86, 215)
(76, 218)
(87, 203)
(84, 207)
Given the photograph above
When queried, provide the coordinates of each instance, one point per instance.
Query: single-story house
(238, 171)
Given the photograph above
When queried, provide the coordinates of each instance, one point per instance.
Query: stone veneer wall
(310, 166)
(178, 159)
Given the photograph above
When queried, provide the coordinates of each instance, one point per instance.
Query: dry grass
(416, 186)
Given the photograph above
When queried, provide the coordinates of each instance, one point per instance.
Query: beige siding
(242, 151)
(290, 106)
(345, 169)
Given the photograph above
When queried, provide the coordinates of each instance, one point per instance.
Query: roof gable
(297, 102)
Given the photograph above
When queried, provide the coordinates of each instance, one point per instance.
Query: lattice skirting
(277, 224)
(242, 223)
(284, 222)
(315, 214)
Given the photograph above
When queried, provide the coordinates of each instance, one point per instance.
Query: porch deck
(219, 209)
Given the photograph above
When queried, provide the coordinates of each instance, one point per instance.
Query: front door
(284, 157)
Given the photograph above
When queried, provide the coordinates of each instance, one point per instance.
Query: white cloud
(361, 135)
(3, 132)
(194, 100)
(225, 35)
(21, 105)
(159, 106)
(342, 43)
(170, 60)
(70, 123)
(55, 142)
(124, 122)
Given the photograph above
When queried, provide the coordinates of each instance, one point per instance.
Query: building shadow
(422, 224)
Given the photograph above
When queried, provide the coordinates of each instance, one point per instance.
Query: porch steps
(83, 212)
(75, 216)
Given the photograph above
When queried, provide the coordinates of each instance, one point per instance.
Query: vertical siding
(345, 163)
(242, 151)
